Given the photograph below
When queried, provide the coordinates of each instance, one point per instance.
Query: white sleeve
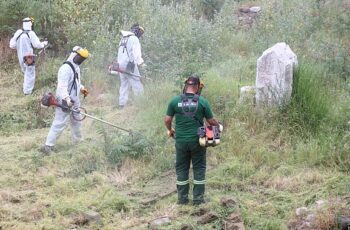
(13, 41)
(35, 40)
(136, 48)
(64, 74)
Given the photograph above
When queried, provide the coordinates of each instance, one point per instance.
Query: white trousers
(125, 82)
(59, 124)
(29, 77)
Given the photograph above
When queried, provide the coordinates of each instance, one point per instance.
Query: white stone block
(274, 75)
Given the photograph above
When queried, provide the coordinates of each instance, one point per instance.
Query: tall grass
(310, 103)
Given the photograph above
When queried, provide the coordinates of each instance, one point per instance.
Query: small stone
(344, 222)
(255, 9)
(301, 211)
(92, 216)
(159, 221)
(79, 220)
(304, 226)
(186, 227)
(310, 218)
(86, 217)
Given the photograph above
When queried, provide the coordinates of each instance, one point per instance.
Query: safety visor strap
(28, 20)
(199, 181)
(182, 182)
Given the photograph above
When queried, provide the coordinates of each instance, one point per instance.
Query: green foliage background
(187, 36)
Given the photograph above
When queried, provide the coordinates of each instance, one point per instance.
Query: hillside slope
(267, 165)
(255, 166)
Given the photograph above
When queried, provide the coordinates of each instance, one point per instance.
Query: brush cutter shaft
(134, 75)
(126, 72)
(49, 100)
(100, 120)
(117, 70)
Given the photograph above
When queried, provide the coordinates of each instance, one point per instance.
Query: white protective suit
(24, 40)
(131, 53)
(65, 90)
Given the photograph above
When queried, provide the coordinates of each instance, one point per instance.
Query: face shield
(28, 24)
(78, 59)
(137, 30)
(78, 55)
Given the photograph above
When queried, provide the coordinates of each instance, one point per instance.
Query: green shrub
(117, 146)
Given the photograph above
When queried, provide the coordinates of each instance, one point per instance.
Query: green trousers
(185, 154)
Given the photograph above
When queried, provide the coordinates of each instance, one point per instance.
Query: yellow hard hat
(83, 52)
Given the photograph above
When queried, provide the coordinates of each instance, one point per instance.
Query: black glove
(130, 67)
(66, 106)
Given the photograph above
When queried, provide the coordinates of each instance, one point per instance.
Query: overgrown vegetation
(271, 162)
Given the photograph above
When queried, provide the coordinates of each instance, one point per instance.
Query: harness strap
(25, 32)
(74, 84)
(187, 105)
(123, 43)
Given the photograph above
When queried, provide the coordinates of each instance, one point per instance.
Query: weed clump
(118, 146)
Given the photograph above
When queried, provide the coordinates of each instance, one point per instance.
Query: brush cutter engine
(209, 136)
(29, 59)
(49, 99)
(114, 68)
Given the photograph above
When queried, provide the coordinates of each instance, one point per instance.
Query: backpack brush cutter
(49, 100)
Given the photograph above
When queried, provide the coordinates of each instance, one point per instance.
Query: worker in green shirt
(189, 110)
